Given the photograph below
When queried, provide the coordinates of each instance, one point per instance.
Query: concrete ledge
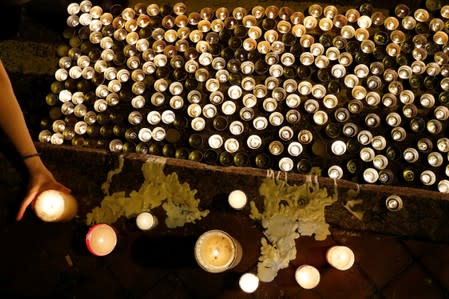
(84, 170)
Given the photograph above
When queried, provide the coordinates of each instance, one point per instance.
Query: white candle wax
(101, 239)
(237, 199)
(146, 221)
(307, 276)
(340, 257)
(216, 251)
(54, 206)
(249, 282)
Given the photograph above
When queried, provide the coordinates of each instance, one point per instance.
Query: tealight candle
(54, 206)
(237, 199)
(101, 239)
(307, 276)
(340, 257)
(249, 282)
(394, 203)
(216, 251)
(146, 221)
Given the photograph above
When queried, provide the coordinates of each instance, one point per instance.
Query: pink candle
(101, 239)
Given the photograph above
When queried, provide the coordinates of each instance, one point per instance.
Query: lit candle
(307, 276)
(101, 239)
(237, 199)
(54, 206)
(216, 251)
(393, 203)
(146, 221)
(340, 257)
(249, 282)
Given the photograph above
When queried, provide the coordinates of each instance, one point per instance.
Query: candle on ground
(307, 276)
(394, 203)
(237, 199)
(54, 206)
(340, 257)
(146, 221)
(249, 282)
(216, 251)
(101, 239)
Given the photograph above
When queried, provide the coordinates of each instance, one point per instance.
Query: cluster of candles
(215, 250)
(307, 276)
(101, 239)
(339, 257)
(268, 87)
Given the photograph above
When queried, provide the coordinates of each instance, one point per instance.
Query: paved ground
(45, 260)
(49, 261)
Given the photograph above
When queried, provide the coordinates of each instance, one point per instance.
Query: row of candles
(215, 250)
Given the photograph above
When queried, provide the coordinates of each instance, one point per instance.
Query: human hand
(40, 180)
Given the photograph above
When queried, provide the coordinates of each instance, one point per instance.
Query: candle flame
(215, 253)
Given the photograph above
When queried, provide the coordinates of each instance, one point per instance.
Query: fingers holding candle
(55, 206)
(39, 182)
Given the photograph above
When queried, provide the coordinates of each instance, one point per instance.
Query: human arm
(13, 124)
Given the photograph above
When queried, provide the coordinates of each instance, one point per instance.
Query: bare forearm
(12, 120)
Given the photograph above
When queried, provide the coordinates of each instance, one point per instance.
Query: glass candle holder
(335, 172)
(236, 128)
(341, 114)
(379, 143)
(305, 136)
(350, 129)
(364, 137)
(158, 133)
(276, 148)
(154, 117)
(216, 251)
(441, 113)
(425, 145)
(254, 142)
(427, 177)
(44, 136)
(443, 186)
(351, 80)
(295, 149)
